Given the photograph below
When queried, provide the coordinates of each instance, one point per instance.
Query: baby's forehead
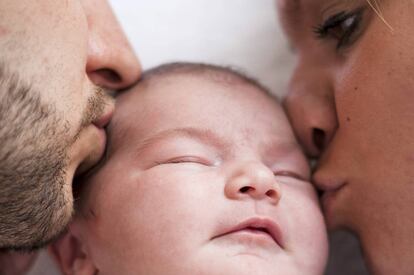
(251, 118)
(171, 88)
(219, 75)
(180, 88)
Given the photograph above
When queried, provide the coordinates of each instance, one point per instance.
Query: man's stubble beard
(35, 206)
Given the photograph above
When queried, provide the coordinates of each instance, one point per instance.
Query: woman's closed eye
(344, 27)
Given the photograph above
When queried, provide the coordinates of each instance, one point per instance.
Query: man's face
(351, 97)
(54, 55)
(200, 179)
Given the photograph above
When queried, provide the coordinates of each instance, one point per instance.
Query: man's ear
(71, 255)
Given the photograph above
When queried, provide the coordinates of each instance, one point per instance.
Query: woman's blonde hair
(377, 9)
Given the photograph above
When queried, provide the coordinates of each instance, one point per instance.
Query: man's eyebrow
(204, 135)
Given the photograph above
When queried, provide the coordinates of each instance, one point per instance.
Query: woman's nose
(310, 105)
(111, 61)
(252, 180)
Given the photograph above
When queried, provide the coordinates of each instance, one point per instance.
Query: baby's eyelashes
(187, 159)
(290, 174)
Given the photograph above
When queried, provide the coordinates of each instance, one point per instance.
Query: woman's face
(351, 101)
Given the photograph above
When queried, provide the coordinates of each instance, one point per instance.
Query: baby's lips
(264, 224)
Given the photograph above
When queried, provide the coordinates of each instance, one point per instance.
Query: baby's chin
(243, 264)
(248, 264)
(247, 261)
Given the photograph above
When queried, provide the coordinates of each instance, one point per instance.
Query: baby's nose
(252, 180)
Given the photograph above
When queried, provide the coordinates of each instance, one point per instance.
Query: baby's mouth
(256, 230)
(257, 226)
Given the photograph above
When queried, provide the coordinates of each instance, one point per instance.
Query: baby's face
(202, 178)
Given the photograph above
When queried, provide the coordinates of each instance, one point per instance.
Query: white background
(241, 33)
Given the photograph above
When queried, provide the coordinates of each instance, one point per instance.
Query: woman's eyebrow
(290, 5)
(291, 16)
(206, 136)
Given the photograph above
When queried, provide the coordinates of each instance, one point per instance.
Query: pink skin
(360, 97)
(14, 263)
(64, 49)
(202, 178)
(76, 46)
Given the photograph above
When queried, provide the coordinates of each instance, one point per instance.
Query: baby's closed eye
(187, 159)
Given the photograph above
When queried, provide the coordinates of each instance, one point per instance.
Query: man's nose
(310, 105)
(111, 61)
(251, 180)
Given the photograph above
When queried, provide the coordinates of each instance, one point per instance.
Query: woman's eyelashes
(344, 27)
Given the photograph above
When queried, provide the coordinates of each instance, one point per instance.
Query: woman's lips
(329, 187)
(330, 201)
(255, 227)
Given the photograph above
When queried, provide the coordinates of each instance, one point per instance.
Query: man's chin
(50, 230)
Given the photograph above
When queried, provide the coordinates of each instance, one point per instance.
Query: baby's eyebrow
(203, 135)
(286, 146)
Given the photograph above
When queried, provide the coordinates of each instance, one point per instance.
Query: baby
(203, 175)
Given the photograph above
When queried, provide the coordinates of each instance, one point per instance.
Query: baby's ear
(71, 255)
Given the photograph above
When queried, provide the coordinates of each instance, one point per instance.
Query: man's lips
(96, 135)
(106, 116)
(256, 225)
(104, 119)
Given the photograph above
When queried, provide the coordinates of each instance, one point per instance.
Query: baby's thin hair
(224, 75)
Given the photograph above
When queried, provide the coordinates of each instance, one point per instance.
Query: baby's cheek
(306, 231)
